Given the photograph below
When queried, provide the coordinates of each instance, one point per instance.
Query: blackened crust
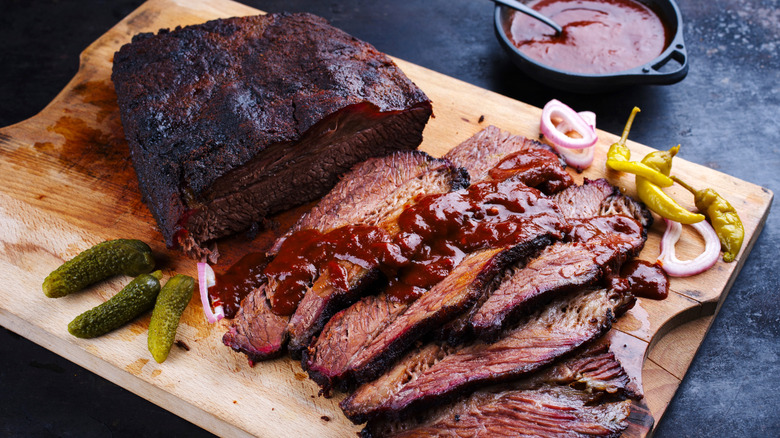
(234, 119)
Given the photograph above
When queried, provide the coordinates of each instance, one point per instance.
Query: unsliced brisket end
(590, 405)
(435, 373)
(372, 190)
(236, 119)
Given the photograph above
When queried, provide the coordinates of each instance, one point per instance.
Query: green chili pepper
(619, 151)
(619, 154)
(723, 216)
(655, 198)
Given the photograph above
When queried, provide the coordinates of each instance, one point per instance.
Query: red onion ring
(572, 121)
(207, 279)
(579, 159)
(684, 268)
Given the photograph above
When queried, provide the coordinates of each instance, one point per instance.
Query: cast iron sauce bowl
(669, 67)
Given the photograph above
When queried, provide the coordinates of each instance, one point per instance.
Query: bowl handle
(669, 76)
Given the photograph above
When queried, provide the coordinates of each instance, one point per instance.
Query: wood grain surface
(66, 183)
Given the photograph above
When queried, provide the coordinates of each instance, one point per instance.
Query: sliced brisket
(493, 155)
(599, 246)
(531, 223)
(600, 198)
(604, 235)
(236, 119)
(373, 189)
(499, 154)
(435, 373)
(592, 404)
(546, 412)
(256, 330)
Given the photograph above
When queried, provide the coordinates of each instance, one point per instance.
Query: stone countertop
(724, 114)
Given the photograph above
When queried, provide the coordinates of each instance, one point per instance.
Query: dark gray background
(725, 114)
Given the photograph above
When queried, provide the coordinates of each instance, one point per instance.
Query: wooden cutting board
(66, 183)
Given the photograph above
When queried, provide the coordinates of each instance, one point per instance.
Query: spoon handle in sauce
(522, 7)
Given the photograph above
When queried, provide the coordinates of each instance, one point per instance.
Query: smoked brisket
(373, 190)
(605, 233)
(581, 396)
(236, 119)
(434, 373)
(333, 360)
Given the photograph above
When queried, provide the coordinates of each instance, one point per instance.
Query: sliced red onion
(684, 268)
(571, 121)
(207, 279)
(579, 159)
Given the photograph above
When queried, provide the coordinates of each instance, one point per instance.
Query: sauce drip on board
(431, 238)
(643, 279)
(599, 36)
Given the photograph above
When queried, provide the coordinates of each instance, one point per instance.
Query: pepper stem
(682, 183)
(627, 128)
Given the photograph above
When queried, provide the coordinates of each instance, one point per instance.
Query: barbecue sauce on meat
(233, 285)
(643, 279)
(306, 253)
(534, 167)
(435, 234)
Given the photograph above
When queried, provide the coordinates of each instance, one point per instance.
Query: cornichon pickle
(171, 302)
(106, 259)
(136, 298)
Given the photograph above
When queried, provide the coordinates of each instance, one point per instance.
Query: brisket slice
(256, 330)
(372, 189)
(235, 119)
(541, 168)
(434, 373)
(547, 412)
(600, 198)
(591, 404)
(560, 268)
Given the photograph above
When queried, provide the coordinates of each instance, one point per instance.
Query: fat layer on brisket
(372, 190)
(236, 119)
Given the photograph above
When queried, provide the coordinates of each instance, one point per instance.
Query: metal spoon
(516, 5)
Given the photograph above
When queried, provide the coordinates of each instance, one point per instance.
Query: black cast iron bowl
(669, 67)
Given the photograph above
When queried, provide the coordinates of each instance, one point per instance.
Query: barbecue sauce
(233, 285)
(643, 279)
(432, 237)
(305, 254)
(599, 36)
(534, 167)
